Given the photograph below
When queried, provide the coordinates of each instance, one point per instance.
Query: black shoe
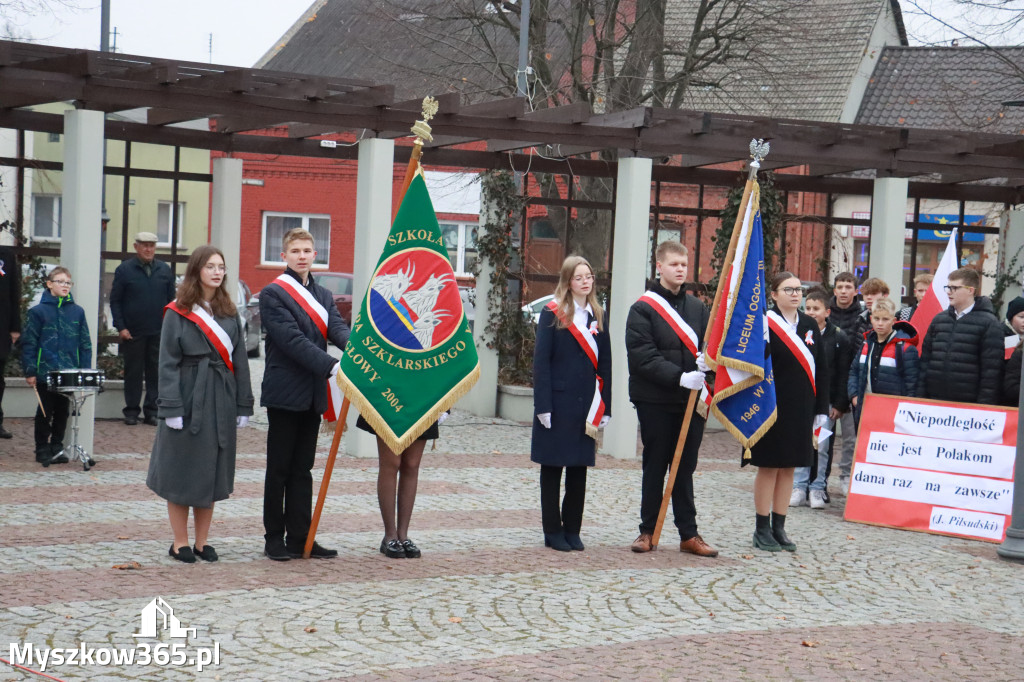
(763, 539)
(574, 541)
(44, 455)
(275, 549)
(392, 549)
(150, 421)
(411, 550)
(4, 433)
(207, 553)
(184, 554)
(317, 552)
(779, 532)
(556, 541)
(57, 454)
(131, 421)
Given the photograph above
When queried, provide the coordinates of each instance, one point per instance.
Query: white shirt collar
(966, 310)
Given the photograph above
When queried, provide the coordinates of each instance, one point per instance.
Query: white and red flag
(936, 300)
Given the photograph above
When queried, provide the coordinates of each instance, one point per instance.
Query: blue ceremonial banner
(744, 393)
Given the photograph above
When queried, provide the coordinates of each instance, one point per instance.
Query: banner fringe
(397, 443)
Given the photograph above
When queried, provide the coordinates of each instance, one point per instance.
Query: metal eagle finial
(421, 129)
(758, 150)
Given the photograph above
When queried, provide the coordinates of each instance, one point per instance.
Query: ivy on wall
(508, 331)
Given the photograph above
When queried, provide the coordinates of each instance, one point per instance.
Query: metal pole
(1013, 545)
(524, 48)
(105, 26)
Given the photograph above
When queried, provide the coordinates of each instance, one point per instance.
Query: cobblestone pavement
(487, 601)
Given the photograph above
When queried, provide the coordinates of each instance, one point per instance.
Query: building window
(275, 225)
(163, 223)
(460, 240)
(46, 216)
(53, 137)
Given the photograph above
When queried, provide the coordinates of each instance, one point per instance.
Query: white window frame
(58, 200)
(459, 266)
(181, 222)
(322, 255)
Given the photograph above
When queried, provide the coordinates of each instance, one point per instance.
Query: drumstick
(39, 400)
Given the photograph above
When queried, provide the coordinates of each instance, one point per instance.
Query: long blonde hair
(563, 294)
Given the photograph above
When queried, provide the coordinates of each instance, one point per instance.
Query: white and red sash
(796, 346)
(318, 314)
(214, 333)
(673, 319)
(1010, 345)
(585, 338)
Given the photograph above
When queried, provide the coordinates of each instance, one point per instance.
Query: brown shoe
(642, 543)
(696, 545)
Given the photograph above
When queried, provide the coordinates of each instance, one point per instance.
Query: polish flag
(936, 300)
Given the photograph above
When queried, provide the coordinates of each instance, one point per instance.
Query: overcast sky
(243, 30)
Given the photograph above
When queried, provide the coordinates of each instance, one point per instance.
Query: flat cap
(146, 237)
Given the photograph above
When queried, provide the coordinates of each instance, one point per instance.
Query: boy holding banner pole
(663, 332)
(299, 317)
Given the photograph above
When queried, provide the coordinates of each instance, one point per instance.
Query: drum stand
(75, 452)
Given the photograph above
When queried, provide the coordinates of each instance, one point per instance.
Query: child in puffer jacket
(55, 336)
(887, 361)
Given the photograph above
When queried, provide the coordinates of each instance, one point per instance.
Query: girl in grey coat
(204, 397)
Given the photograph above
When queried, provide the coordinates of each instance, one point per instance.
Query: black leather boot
(779, 531)
(763, 538)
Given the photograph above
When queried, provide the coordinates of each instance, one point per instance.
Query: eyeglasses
(210, 267)
(62, 282)
(953, 288)
(583, 278)
(789, 291)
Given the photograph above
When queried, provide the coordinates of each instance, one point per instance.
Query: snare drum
(75, 379)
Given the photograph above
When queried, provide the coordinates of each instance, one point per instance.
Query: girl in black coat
(796, 356)
(566, 382)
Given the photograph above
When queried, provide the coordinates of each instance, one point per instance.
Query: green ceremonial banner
(411, 355)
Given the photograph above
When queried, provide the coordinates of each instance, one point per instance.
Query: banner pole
(692, 400)
(422, 130)
(339, 429)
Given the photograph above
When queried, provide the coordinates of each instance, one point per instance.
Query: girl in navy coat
(571, 399)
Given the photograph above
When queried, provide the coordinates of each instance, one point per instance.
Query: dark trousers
(659, 431)
(570, 517)
(50, 429)
(288, 490)
(141, 359)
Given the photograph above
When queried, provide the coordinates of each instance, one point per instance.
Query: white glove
(335, 369)
(604, 422)
(820, 420)
(701, 365)
(442, 418)
(176, 423)
(241, 421)
(545, 419)
(692, 380)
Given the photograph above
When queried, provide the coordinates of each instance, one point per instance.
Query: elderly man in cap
(142, 287)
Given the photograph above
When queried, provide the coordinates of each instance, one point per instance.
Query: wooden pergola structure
(651, 145)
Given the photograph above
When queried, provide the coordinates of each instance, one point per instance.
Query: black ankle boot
(763, 538)
(779, 532)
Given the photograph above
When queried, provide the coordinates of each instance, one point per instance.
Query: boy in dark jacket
(295, 394)
(662, 371)
(887, 362)
(871, 290)
(846, 307)
(55, 337)
(962, 353)
(810, 484)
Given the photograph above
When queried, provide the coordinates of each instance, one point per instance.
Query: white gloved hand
(335, 369)
(604, 422)
(701, 365)
(442, 418)
(545, 420)
(176, 423)
(692, 380)
(241, 421)
(820, 420)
